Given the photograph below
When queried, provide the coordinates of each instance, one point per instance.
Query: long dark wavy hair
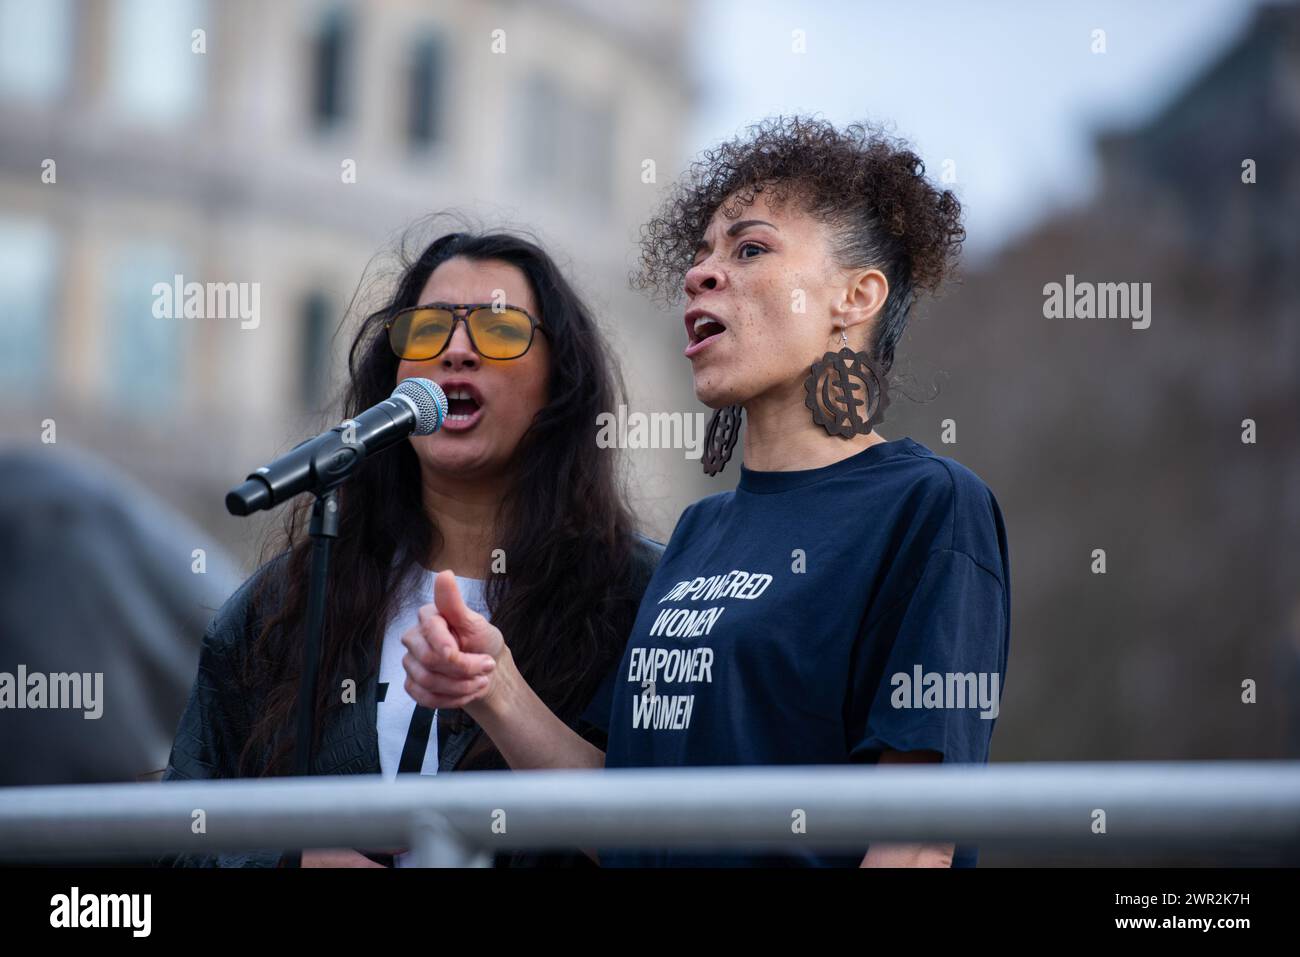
(564, 602)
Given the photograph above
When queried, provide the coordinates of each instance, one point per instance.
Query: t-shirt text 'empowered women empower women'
(818, 617)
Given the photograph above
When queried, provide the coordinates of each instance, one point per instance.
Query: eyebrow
(735, 228)
(745, 224)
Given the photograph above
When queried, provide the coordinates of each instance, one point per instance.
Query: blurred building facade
(1097, 435)
(288, 145)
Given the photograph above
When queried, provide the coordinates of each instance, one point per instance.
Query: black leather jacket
(214, 726)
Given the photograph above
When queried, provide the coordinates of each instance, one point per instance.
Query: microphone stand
(323, 530)
(321, 466)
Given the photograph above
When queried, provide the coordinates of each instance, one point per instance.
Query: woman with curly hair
(849, 601)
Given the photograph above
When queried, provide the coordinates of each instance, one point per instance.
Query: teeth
(459, 394)
(458, 417)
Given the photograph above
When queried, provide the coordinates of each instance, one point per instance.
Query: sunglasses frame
(460, 312)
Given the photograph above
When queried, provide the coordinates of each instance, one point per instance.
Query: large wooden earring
(720, 438)
(846, 392)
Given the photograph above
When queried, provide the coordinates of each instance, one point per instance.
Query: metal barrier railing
(459, 818)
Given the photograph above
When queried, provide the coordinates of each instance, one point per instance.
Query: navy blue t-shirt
(818, 617)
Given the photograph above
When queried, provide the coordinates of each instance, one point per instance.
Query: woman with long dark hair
(849, 602)
(512, 494)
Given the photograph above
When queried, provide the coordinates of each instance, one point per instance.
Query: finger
(438, 701)
(422, 697)
(414, 641)
(442, 684)
(417, 672)
(419, 695)
(440, 644)
(476, 664)
(419, 652)
(465, 668)
(417, 647)
(446, 595)
(445, 656)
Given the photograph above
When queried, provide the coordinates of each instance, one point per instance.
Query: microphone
(416, 407)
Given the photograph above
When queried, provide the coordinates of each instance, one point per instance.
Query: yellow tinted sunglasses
(495, 331)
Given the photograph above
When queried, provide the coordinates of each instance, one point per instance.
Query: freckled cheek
(773, 306)
(780, 343)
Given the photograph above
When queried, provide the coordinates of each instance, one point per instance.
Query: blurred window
(540, 116)
(36, 42)
(317, 316)
(567, 143)
(425, 92)
(28, 331)
(154, 75)
(593, 141)
(331, 60)
(146, 351)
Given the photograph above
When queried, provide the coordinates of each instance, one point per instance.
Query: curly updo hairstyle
(869, 187)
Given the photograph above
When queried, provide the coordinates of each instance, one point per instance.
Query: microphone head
(430, 403)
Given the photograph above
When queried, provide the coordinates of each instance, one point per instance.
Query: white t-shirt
(396, 708)
(396, 731)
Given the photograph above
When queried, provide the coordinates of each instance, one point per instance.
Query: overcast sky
(1008, 89)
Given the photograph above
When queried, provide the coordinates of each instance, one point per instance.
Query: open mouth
(702, 327)
(463, 406)
(460, 406)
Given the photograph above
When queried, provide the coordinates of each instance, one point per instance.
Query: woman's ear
(864, 297)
